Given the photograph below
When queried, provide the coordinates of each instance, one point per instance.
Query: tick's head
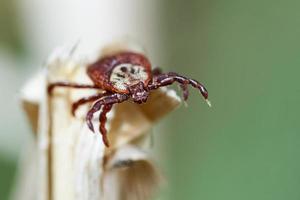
(138, 93)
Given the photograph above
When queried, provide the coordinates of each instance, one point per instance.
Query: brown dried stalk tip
(73, 162)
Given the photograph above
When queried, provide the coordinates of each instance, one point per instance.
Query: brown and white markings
(123, 76)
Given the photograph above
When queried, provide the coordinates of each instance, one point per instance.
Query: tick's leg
(103, 119)
(158, 71)
(84, 100)
(52, 86)
(169, 78)
(106, 100)
(185, 91)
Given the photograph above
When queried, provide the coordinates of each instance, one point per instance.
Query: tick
(123, 76)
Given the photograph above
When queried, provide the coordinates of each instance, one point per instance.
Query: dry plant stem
(73, 162)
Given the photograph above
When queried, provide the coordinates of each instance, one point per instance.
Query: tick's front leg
(103, 119)
(161, 80)
(158, 71)
(106, 100)
(185, 91)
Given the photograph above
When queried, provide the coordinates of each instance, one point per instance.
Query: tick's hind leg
(102, 120)
(52, 86)
(85, 100)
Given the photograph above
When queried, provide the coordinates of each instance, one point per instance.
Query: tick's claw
(208, 102)
(73, 112)
(50, 89)
(74, 108)
(90, 125)
(105, 141)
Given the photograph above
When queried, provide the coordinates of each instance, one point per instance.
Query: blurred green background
(13, 128)
(246, 53)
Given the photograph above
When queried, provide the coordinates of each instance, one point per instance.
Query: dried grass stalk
(73, 163)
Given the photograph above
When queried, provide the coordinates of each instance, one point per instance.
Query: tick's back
(116, 72)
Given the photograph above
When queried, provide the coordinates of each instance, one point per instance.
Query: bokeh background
(246, 52)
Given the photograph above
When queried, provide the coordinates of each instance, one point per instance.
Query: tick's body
(123, 76)
(116, 73)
